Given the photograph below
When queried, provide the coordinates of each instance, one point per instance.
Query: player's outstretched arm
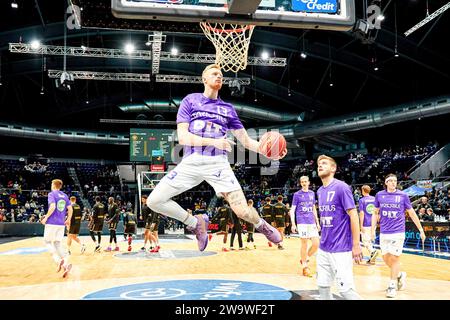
(244, 138)
(189, 139)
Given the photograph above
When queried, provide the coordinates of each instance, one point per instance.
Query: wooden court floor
(27, 271)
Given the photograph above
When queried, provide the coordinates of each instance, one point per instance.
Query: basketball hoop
(231, 42)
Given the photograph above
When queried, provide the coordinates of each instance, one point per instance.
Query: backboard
(306, 14)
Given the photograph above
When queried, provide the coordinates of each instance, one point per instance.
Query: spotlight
(289, 93)
(265, 55)
(14, 4)
(303, 55)
(375, 68)
(129, 48)
(396, 53)
(381, 17)
(83, 48)
(35, 44)
(174, 51)
(42, 91)
(87, 101)
(331, 84)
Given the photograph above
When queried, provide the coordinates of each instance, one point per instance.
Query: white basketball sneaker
(401, 281)
(391, 292)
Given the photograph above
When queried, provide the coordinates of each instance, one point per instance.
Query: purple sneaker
(200, 231)
(270, 232)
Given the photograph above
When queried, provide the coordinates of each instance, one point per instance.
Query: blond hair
(322, 157)
(306, 177)
(57, 183)
(365, 188)
(210, 66)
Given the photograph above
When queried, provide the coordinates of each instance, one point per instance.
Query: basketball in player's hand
(273, 145)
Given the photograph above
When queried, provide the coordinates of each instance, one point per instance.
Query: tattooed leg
(238, 204)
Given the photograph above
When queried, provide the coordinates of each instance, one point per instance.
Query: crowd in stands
(24, 187)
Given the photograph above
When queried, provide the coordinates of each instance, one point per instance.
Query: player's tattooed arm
(238, 204)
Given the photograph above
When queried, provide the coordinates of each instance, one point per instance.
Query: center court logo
(320, 6)
(200, 289)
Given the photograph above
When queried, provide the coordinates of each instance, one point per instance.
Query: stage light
(35, 44)
(129, 48)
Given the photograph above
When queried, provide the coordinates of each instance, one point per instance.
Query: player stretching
(366, 207)
(304, 213)
(339, 241)
(54, 220)
(392, 204)
(203, 121)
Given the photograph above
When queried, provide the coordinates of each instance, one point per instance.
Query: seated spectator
(423, 204)
(428, 216)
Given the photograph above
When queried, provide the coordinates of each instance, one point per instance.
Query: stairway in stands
(73, 174)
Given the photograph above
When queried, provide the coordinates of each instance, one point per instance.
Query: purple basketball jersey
(392, 207)
(61, 202)
(304, 204)
(207, 118)
(334, 201)
(366, 204)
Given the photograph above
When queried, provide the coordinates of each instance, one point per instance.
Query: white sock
(393, 283)
(325, 293)
(351, 295)
(159, 201)
(259, 224)
(60, 252)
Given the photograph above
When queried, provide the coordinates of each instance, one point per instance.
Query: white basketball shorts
(307, 231)
(392, 243)
(195, 168)
(53, 232)
(335, 266)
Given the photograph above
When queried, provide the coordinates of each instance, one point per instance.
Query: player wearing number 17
(203, 121)
(391, 205)
(339, 241)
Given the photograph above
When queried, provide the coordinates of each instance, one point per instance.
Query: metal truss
(138, 77)
(428, 19)
(80, 51)
(136, 55)
(194, 79)
(156, 40)
(109, 76)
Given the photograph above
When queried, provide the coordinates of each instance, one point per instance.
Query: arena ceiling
(422, 69)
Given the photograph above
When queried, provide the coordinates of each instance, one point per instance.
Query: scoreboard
(146, 144)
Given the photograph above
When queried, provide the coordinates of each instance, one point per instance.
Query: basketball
(272, 144)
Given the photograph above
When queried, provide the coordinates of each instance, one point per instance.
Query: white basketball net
(231, 42)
